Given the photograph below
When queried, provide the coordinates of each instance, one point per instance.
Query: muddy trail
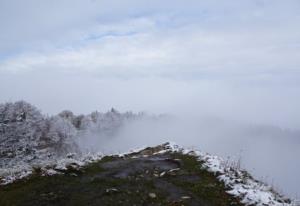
(143, 178)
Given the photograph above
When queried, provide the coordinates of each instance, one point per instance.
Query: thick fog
(269, 153)
(257, 125)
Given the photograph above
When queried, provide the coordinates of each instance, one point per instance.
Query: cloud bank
(235, 59)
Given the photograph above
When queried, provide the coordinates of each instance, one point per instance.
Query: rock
(173, 171)
(162, 174)
(185, 197)
(111, 190)
(156, 173)
(73, 174)
(152, 195)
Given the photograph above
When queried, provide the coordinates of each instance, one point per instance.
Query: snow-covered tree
(28, 136)
(24, 132)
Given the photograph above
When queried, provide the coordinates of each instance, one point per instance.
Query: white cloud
(233, 54)
(139, 47)
(34, 24)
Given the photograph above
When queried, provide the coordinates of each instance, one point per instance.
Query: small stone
(162, 174)
(185, 197)
(152, 195)
(173, 171)
(111, 190)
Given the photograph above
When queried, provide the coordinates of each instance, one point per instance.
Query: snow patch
(239, 183)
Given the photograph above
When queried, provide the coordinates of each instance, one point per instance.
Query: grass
(207, 187)
(87, 187)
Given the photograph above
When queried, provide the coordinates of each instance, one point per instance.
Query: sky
(234, 59)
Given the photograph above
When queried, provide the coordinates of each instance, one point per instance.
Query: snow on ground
(239, 182)
(46, 167)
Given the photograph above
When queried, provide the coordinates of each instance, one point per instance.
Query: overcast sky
(229, 58)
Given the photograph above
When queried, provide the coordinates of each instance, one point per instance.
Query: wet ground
(137, 179)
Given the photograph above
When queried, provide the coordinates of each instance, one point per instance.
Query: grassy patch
(206, 187)
(95, 185)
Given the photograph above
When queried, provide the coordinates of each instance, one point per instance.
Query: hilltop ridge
(163, 175)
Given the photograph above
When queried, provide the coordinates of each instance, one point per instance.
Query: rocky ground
(148, 177)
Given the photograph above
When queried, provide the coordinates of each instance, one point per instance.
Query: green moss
(65, 190)
(91, 186)
(95, 167)
(207, 187)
